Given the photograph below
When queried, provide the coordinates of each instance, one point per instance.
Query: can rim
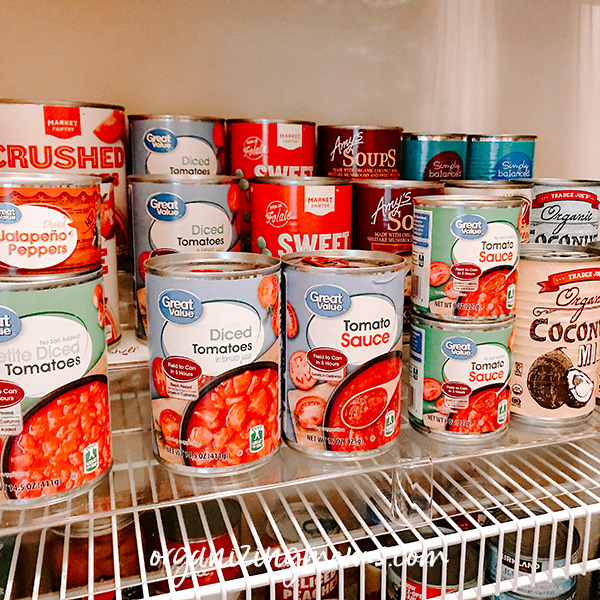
(454, 322)
(99, 526)
(557, 252)
(392, 262)
(299, 181)
(183, 179)
(398, 183)
(269, 121)
(435, 137)
(469, 201)
(61, 103)
(557, 181)
(394, 128)
(17, 179)
(44, 281)
(168, 117)
(483, 184)
(501, 137)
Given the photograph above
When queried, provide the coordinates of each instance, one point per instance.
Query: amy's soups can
(465, 253)
(342, 351)
(502, 156)
(297, 215)
(54, 417)
(433, 156)
(214, 358)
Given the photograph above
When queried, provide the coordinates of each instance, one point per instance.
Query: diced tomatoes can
(342, 352)
(465, 254)
(433, 156)
(53, 386)
(459, 377)
(214, 349)
(500, 156)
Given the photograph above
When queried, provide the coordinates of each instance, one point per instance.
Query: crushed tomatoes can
(459, 377)
(311, 214)
(214, 359)
(342, 350)
(465, 253)
(502, 156)
(54, 406)
(433, 156)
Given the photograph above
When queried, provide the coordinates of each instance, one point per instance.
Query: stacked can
(434, 156)
(503, 156)
(54, 422)
(465, 254)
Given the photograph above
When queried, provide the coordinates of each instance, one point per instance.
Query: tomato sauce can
(433, 156)
(180, 214)
(459, 375)
(556, 345)
(54, 407)
(297, 215)
(342, 352)
(68, 138)
(214, 353)
(359, 151)
(465, 254)
(565, 211)
(500, 156)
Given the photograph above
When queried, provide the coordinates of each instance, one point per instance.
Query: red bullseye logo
(277, 214)
(253, 148)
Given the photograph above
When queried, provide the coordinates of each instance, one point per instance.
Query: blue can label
(494, 160)
(427, 160)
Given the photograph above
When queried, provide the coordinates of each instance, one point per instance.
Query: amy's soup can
(434, 156)
(359, 151)
(459, 374)
(214, 356)
(54, 422)
(342, 351)
(296, 215)
(465, 254)
(556, 355)
(502, 156)
(180, 214)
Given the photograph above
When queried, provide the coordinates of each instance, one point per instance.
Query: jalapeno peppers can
(214, 356)
(343, 320)
(459, 377)
(465, 253)
(434, 156)
(502, 156)
(54, 422)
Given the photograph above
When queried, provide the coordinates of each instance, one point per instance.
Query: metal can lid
(436, 137)
(461, 323)
(61, 103)
(300, 181)
(182, 118)
(501, 137)
(484, 184)
(47, 180)
(348, 262)
(469, 201)
(45, 281)
(269, 121)
(393, 128)
(305, 521)
(397, 184)
(555, 182)
(558, 252)
(184, 179)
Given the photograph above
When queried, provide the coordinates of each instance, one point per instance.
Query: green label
(91, 458)
(257, 438)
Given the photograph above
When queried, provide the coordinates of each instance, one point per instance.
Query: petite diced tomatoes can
(213, 337)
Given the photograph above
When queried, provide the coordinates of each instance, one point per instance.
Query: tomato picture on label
(432, 389)
(169, 422)
(310, 411)
(481, 414)
(112, 128)
(491, 298)
(159, 378)
(439, 273)
(268, 290)
(299, 371)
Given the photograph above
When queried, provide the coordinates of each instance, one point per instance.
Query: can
(465, 254)
(297, 215)
(565, 211)
(521, 189)
(342, 352)
(459, 375)
(359, 151)
(214, 356)
(68, 138)
(49, 223)
(537, 549)
(502, 156)
(433, 156)
(556, 336)
(180, 214)
(53, 385)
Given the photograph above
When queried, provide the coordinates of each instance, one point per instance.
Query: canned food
(565, 211)
(177, 145)
(214, 355)
(49, 223)
(180, 214)
(556, 335)
(359, 151)
(434, 156)
(500, 156)
(68, 138)
(459, 374)
(342, 352)
(53, 385)
(465, 254)
(297, 215)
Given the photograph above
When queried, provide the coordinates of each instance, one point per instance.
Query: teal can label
(500, 157)
(433, 157)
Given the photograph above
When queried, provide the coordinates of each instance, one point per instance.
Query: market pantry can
(465, 254)
(359, 151)
(433, 156)
(297, 215)
(459, 375)
(180, 214)
(557, 336)
(54, 407)
(342, 351)
(214, 360)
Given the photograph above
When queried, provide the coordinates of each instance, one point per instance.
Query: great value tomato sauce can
(465, 253)
(433, 156)
(556, 336)
(180, 214)
(214, 354)
(502, 156)
(342, 352)
(459, 377)
(54, 417)
(297, 215)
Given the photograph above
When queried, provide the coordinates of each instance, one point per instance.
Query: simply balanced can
(342, 351)
(214, 360)
(433, 156)
(502, 156)
(465, 254)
